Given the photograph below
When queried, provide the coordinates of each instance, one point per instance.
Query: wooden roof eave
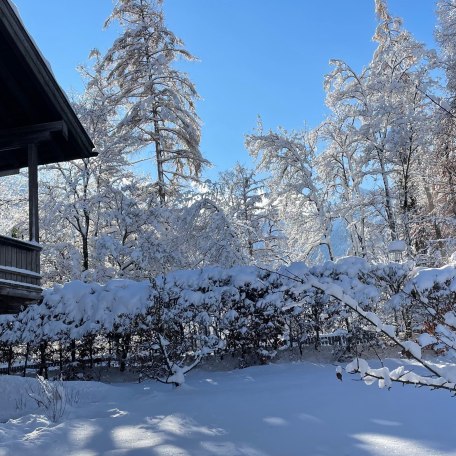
(41, 71)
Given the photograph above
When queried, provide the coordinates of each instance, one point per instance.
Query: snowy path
(279, 410)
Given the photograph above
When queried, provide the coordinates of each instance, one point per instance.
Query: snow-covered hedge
(168, 324)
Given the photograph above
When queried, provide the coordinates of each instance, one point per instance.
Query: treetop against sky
(257, 57)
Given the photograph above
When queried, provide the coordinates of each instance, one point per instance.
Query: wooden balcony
(19, 274)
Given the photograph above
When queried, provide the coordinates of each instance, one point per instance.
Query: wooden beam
(15, 138)
(10, 172)
(34, 227)
(43, 76)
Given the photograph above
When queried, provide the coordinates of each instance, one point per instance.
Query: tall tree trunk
(27, 353)
(73, 350)
(10, 359)
(159, 158)
(43, 371)
(85, 252)
(388, 200)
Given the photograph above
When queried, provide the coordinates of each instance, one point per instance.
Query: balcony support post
(34, 227)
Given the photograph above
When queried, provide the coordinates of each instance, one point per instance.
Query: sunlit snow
(276, 410)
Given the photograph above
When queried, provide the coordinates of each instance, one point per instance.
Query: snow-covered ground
(282, 410)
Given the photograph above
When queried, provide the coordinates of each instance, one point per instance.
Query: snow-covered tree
(446, 37)
(76, 195)
(254, 217)
(379, 132)
(442, 189)
(13, 201)
(340, 166)
(158, 100)
(294, 184)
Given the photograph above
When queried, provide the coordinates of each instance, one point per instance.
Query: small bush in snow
(51, 397)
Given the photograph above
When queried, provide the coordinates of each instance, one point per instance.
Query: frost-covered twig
(386, 377)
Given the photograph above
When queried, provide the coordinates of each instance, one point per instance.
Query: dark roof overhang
(33, 107)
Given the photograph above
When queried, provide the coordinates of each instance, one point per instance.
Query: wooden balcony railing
(19, 273)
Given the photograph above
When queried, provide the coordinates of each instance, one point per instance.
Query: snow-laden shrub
(433, 294)
(397, 307)
(162, 327)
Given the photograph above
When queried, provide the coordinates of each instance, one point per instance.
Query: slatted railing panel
(19, 261)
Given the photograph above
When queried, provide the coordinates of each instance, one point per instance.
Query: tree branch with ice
(441, 378)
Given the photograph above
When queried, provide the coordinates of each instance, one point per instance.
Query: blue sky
(257, 57)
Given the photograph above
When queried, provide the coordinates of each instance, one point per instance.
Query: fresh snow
(21, 284)
(34, 243)
(276, 410)
(19, 271)
(397, 246)
(425, 340)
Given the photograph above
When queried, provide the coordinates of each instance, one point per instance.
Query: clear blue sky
(258, 57)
